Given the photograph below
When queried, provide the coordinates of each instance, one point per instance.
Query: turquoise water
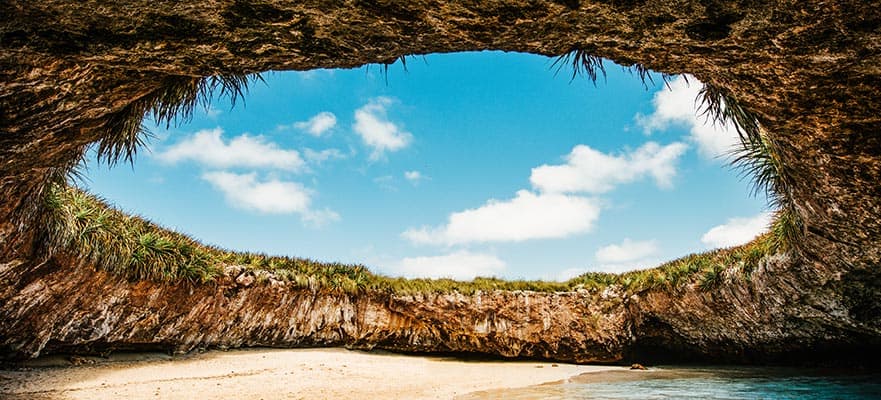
(704, 383)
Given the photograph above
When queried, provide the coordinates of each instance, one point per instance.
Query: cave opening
(450, 166)
(77, 74)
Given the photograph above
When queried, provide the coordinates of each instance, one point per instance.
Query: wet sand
(277, 374)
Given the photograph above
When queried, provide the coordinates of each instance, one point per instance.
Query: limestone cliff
(808, 70)
(67, 306)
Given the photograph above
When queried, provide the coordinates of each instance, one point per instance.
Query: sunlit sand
(283, 374)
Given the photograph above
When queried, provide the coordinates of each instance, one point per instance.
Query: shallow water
(705, 383)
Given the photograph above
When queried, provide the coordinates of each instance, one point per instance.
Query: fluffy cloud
(318, 124)
(610, 267)
(271, 196)
(678, 106)
(590, 171)
(737, 231)
(208, 147)
(629, 255)
(318, 157)
(413, 176)
(566, 274)
(527, 216)
(626, 251)
(627, 266)
(460, 265)
(376, 131)
(555, 210)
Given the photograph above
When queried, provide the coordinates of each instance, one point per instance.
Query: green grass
(83, 227)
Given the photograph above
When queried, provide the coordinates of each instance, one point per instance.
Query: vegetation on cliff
(86, 227)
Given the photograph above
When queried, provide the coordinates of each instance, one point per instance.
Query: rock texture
(66, 306)
(81, 310)
(809, 70)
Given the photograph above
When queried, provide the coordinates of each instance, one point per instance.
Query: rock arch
(810, 71)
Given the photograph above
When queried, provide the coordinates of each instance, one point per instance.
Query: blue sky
(465, 164)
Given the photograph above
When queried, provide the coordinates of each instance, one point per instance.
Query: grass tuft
(645, 75)
(758, 159)
(387, 64)
(172, 102)
(719, 106)
(582, 64)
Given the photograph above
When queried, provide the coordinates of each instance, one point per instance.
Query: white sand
(283, 374)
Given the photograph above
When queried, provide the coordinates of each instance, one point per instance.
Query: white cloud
(460, 265)
(414, 177)
(318, 157)
(320, 218)
(208, 147)
(679, 106)
(376, 131)
(555, 210)
(612, 268)
(271, 196)
(318, 124)
(526, 216)
(737, 231)
(629, 255)
(617, 268)
(212, 112)
(566, 274)
(628, 250)
(590, 171)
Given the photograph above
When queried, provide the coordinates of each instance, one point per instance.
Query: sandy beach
(278, 374)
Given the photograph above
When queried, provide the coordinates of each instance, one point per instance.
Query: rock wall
(64, 306)
(80, 309)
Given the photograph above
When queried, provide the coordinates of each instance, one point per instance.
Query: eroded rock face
(809, 70)
(83, 310)
(774, 316)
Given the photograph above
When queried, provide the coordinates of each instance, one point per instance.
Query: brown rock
(77, 360)
(246, 279)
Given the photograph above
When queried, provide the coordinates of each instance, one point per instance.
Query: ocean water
(704, 383)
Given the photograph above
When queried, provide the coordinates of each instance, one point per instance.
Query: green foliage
(759, 159)
(83, 227)
(720, 106)
(786, 229)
